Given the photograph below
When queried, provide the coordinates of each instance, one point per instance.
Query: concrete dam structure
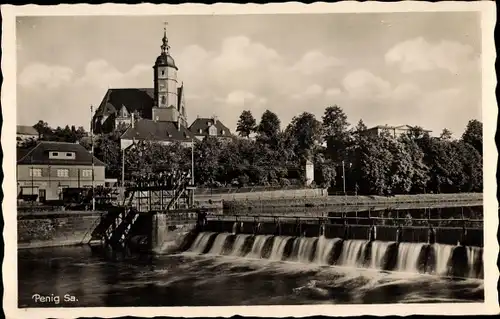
(442, 242)
(434, 259)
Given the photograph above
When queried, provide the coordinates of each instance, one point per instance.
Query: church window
(163, 99)
(200, 130)
(222, 132)
(162, 72)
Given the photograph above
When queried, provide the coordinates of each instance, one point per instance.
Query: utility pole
(123, 174)
(92, 142)
(192, 172)
(343, 175)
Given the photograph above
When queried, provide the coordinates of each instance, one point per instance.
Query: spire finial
(165, 47)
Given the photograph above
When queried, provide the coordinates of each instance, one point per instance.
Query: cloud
(333, 92)
(310, 91)
(420, 55)
(40, 76)
(364, 84)
(314, 62)
(100, 73)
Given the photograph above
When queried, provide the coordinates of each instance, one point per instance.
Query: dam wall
(59, 228)
(434, 259)
(413, 234)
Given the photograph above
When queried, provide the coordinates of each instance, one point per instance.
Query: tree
(246, 124)
(306, 131)
(473, 135)
(360, 127)
(43, 129)
(336, 133)
(107, 149)
(446, 134)
(207, 155)
(268, 128)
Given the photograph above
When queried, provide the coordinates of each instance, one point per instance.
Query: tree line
(265, 154)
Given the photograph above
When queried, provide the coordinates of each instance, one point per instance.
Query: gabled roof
(202, 124)
(39, 154)
(141, 100)
(158, 131)
(26, 130)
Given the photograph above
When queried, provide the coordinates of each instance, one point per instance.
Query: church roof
(39, 154)
(165, 59)
(158, 131)
(134, 99)
(201, 125)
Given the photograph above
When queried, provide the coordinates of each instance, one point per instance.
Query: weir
(433, 259)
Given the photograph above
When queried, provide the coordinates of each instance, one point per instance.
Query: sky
(385, 68)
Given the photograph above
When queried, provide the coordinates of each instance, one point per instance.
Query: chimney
(215, 119)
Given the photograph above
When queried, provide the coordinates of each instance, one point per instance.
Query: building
(45, 169)
(157, 113)
(25, 133)
(203, 127)
(394, 131)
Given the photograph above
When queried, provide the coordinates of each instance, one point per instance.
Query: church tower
(166, 98)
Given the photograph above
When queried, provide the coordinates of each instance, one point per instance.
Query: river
(232, 277)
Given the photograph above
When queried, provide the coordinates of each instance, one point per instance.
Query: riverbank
(354, 203)
(51, 229)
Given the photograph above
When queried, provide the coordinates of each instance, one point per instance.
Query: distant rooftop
(26, 130)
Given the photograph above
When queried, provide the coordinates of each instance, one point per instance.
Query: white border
(489, 111)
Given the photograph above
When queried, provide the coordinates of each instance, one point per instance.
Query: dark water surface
(192, 280)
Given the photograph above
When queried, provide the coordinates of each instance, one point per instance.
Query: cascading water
(443, 254)
(408, 254)
(472, 255)
(238, 245)
(352, 252)
(378, 254)
(258, 244)
(200, 243)
(302, 248)
(278, 248)
(218, 244)
(324, 249)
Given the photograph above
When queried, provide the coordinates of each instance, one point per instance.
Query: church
(156, 114)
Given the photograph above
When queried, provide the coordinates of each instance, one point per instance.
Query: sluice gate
(134, 224)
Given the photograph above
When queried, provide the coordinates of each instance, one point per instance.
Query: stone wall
(46, 229)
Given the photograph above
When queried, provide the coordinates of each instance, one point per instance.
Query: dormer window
(212, 131)
(61, 155)
(200, 131)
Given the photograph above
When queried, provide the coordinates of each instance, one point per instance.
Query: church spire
(165, 47)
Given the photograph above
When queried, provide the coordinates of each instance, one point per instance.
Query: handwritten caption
(53, 299)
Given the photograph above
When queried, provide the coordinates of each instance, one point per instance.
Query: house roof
(39, 154)
(398, 127)
(200, 127)
(134, 99)
(145, 129)
(26, 130)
